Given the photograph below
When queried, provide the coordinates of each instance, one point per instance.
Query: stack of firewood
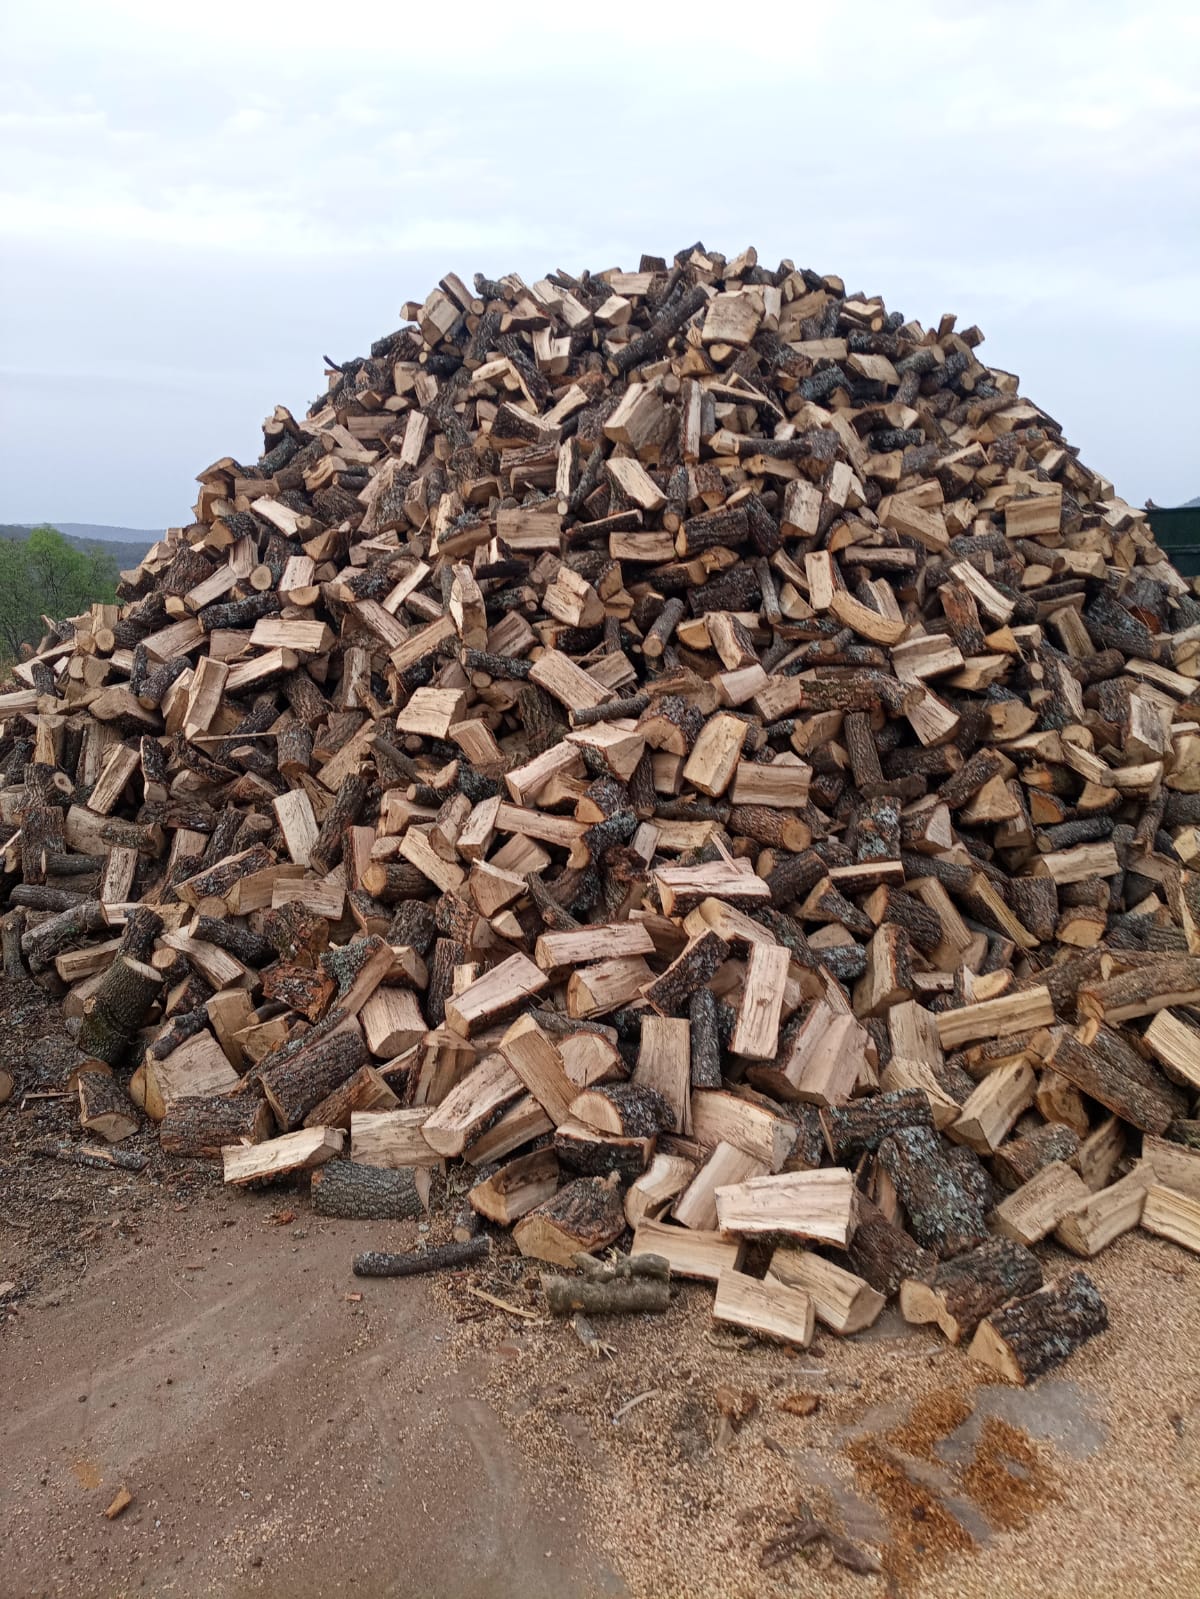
(689, 743)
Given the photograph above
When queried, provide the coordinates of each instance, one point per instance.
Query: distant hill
(1191, 505)
(126, 545)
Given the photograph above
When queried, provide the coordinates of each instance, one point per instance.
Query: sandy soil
(287, 1429)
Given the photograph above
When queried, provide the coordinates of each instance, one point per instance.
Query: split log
(964, 1290)
(817, 1205)
(294, 1085)
(202, 1125)
(582, 1217)
(841, 1301)
(115, 1012)
(770, 1309)
(1035, 1209)
(248, 1164)
(104, 1108)
(942, 1216)
(516, 1188)
(1031, 1335)
(1170, 1214)
(368, 1193)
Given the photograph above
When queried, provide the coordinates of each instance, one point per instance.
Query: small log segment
(104, 1107)
(368, 1193)
(201, 1125)
(294, 1085)
(448, 1257)
(941, 1214)
(636, 1283)
(1031, 1335)
(884, 1254)
(113, 1014)
(584, 1216)
(964, 1290)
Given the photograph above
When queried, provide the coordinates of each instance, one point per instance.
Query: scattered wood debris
(690, 744)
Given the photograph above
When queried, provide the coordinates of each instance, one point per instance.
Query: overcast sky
(198, 201)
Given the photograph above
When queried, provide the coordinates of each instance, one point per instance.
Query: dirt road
(277, 1437)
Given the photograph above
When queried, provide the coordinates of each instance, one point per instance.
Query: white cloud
(241, 176)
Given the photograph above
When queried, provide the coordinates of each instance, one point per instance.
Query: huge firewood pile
(691, 745)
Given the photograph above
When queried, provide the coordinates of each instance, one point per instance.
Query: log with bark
(371, 1193)
(1038, 1331)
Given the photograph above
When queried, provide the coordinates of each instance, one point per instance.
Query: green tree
(45, 575)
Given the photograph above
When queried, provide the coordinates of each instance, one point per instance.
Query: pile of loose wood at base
(688, 743)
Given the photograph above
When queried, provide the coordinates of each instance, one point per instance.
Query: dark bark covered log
(295, 933)
(588, 1153)
(1146, 1108)
(964, 1290)
(218, 882)
(12, 928)
(612, 710)
(305, 989)
(781, 829)
(201, 1125)
(621, 1297)
(369, 1193)
(671, 723)
(343, 813)
(1034, 902)
(74, 865)
(293, 750)
(964, 618)
(670, 993)
(884, 1255)
(583, 1216)
(232, 935)
(448, 1257)
(941, 1214)
(646, 346)
(626, 1110)
(905, 910)
(240, 613)
(796, 877)
(973, 1175)
(413, 924)
(118, 1008)
(447, 954)
(861, 1126)
(41, 836)
(294, 1085)
(142, 928)
(1019, 1159)
(860, 745)
(1031, 1335)
(705, 1039)
(659, 635)
(42, 943)
(105, 1108)
(392, 882)
(97, 1157)
(964, 784)
(305, 698)
(184, 1025)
